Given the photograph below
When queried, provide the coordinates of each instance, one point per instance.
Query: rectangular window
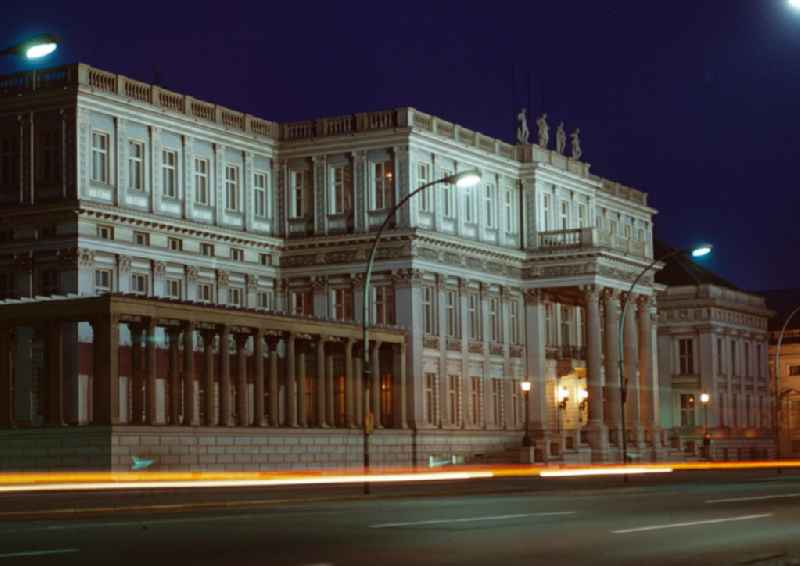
(469, 204)
(205, 292)
(141, 238)
(473, 309)
(511, 224)
(453, 394)
(201, 193)
(100, 158)
(452, 313)
(139, 283)
(175, 244)
(497, 405)
(612, 227)
(513, 309)
(136, 166)
(383, 194)
(583, 222)
(265, 259)
(734, 367)
(430, 397)
(494, 320)
(232, 187)
(475, 396)
(175, 289)
(338, 188)
(49, 283)
(794, 370)
(566, 326)
(686, 356)
(550, 325)
(301, 302)
(262, 203)
(423, 178)
(720, 369)
(564, 215)
(747, 370)
(342, 304)
(721, 409)
(207, 249)
(237, 254)
(428, 310)
(546, 211)
(236, 297)
(9, 162)
(758, 371)
(103, 281)
(384, 304)
(297, 207)
(169, 173)
(515, 402)
(105, 232)
(687, 410)
(735, 409)
(448, 197)
(748, 414)
(265, 300)
(489, 205)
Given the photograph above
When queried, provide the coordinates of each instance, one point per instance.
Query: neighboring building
(110, 185)
(712, 338)
(783, 302)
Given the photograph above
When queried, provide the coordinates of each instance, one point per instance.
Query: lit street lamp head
(703, 249)
(35, 48)
(526, 386)
(465, 179)
(794, 4)
(704, 398)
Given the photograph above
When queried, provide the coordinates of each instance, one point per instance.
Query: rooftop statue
(522, 129)
(544, 130)
(561, 138)
(576, 144)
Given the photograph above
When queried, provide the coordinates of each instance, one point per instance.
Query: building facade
(713, 340)
(113, 186)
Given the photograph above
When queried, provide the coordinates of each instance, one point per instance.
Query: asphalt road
(686, 518)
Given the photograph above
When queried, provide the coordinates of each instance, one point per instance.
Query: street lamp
(794, 4)
(704, 399)
(462, 180)
(698, 251)
(35, 48)
(778, 396)
(526, 389)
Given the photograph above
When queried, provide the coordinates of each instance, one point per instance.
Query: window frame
(169, 173)
(202, 192)
(136, 164)
(260, 192)
(103, 155)
(232, 188)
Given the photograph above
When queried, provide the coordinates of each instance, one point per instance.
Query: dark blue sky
(694, 102)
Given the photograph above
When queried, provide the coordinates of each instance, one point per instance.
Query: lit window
(232, 187)
(136, 166)
(100, 161)
(139, 283)
(383, 184)
(260, 195)
(169, 173)
(201, 193)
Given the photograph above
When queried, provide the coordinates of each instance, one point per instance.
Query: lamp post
(462, 180)
(526, 389)
(696, 252)
(35, 48)
(704, 399)
(778, 396)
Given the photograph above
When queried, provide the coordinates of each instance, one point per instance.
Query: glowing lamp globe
(794, 4)
(705, 397)
(703, 249)
(526, 386)
(39, 46)
(466, 179)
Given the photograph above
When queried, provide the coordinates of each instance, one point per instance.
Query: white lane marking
(141, 522)
(470, 519)
(39, 552)
(753, 498)
(691, 523)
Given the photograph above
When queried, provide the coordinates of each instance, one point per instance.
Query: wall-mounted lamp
(563, 397)
(583, 398)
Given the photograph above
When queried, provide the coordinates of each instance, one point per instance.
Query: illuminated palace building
(183, 282)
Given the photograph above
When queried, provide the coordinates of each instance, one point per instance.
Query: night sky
(694, 102)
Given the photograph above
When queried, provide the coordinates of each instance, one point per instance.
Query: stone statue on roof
(544, 130)
(523, 133)
(576, 144)
(561, 138)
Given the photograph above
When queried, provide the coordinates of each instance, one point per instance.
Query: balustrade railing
(561, 239)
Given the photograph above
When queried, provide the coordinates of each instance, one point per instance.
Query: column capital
(610, 294)
(533, 296)
(591, 292)
(241, 340)
(643, 302)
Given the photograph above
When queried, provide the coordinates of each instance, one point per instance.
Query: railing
(561, 239)
(170, 101)
(138, 91)
(584, 238)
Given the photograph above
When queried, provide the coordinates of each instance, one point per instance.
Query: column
(105, 385)
(189, 416)
(6, 415)
(301, 383)
(594, 380)
(322, 400)
(208, 355)
(348, 384)
(55, 373)
(174, 390)
(358, 384)
(258, 387)
(242, 404)
(376, 384)
(150, 349)
(137, 401)
(646, 383)
(274, 405)
(631, 353)
(399, 399)
(535, 338)
(291, 383)
(614, 415)
(224, 377)
(332, 401)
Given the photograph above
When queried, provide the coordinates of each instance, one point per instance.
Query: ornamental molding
(159, 268)
(123, 263)
(192, 273)
(251, 282)
(223, 278)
